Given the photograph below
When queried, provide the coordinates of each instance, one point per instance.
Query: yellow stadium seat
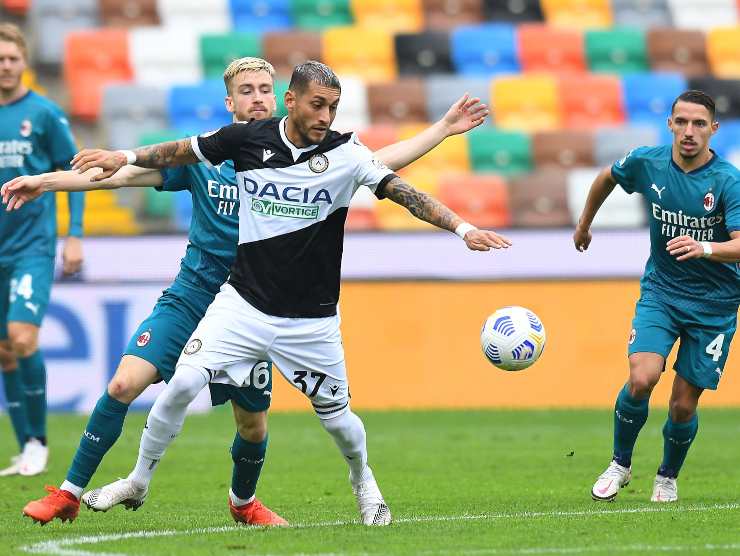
(392, 15)
(391, 216)
(370, 56)
(449, 156)
(526, 103)
(723, 51)
(579, 14)
(103, 215)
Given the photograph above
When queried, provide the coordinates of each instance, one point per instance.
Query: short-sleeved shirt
(293, 205)
(703, 204)
(34, 138)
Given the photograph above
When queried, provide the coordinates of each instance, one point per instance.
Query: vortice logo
(287, 210)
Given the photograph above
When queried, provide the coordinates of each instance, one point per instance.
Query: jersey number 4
(715, 347)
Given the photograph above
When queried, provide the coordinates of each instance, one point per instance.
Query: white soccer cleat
(33, 459)
(122, 491)
(14, 468)
(610, 481)
(373, 509)
(665, 489)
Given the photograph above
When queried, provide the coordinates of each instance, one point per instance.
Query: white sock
(165, 420)
(349, 434)
(239, 501)
(74, 489)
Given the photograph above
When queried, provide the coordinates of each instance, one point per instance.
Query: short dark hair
(313, 71)
(695, 96)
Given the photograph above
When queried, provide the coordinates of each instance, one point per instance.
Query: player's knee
(185, 385)
(681, 410)
(252, 427)
(23, 341)
(123, 389)
(642, 381)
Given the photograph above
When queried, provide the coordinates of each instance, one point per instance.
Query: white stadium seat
(164, 57)
(620, 210)
(198, 16)
(703, 14)
(352, 114)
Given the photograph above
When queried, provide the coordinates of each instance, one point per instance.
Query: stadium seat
(643, 14)
(259, 16)
(648, 97)
(402, 101)
(362, 211)
(540, 199)
(130, 109)
(480, 199)
(17, 7)
(195, 16)
(591, 100)
(612, 144)
(392, 216)
(218, 50)
(353, 113)
(378, 136)
(287, 49)
(484, 49)
(164, 57)
(449, 156)
(678, 50)
(550, 49)
(52, 21)
(371, 56)
(726, 142)
(563, 148)
(389, 15)
(183, 212)
(445, 15)
(128, 13)
(317, 15)
(723, 52)
(499, 152)
(103, 217)
(93, 59)
(198, 108)
(706, 14)
(423, 53)
(280, 86)
(526, 103)
(579, 14)
(725, 92)
(616, 50)
(443, 90)
(620, 210)
(514, 11)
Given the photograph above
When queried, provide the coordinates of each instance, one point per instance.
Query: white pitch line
(59, 547)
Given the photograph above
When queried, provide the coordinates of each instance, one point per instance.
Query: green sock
(15, 401)
(248, 459)
(677, 439)
(33, 376)
(630, 415)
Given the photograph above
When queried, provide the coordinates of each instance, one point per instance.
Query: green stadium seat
(618, 50)
(161, 136)
(281, 85)
(218, 50)
(158, 204)
(318, 14)
(500, 152)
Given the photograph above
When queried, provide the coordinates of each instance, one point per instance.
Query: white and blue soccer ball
(513, 338)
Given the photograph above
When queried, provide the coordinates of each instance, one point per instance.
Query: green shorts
(25, 288)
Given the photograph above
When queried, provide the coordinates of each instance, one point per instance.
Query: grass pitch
(468, 483)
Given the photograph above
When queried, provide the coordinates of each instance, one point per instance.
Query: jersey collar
(701, 168)
(295, 151)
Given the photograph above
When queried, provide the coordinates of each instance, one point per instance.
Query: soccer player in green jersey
(34, 138)
(690, 289)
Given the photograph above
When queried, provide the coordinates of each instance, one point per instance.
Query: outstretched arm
(427, 208)
(466, 114)
(601, 188)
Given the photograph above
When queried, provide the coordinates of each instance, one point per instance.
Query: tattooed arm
(427, 208)
(162, 155)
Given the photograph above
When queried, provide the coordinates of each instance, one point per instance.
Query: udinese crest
(318, 163)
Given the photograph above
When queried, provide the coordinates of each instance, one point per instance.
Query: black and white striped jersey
(293, 204)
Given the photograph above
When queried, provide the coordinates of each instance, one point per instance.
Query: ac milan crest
(709, 201)
(633, 335)
(144, 338)
(26, 128)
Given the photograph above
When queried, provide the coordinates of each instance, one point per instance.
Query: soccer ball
(513, 338)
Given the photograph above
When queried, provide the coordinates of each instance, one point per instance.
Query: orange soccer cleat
(256, 513)
(58, 503)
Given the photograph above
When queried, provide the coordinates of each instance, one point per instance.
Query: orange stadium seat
(548, 48)
(287, 49)
(449, 156)
(540, 199)
(19, 7)
(446, 14)
(127, 13)
(723, 52)
(403, 101)
(370, 57)
(378, 136)
(563, 148)
(591, 100)
(581, 14)
(477, 198)
(390, 15)
(678, 50)
(91, 60)
(526, 102)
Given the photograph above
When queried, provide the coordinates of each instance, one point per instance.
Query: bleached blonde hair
(248, 63)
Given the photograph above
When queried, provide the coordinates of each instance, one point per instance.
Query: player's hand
(20, 190)
(684, 248)
(582, 238)
(484, 240)
(109, 161)
(72, 255)
(464, 115)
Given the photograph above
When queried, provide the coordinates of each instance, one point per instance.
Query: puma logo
(658, 190)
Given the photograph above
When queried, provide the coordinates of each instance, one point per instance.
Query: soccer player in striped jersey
(690, 289)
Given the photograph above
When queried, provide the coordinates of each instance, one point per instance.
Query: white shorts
(234, 337)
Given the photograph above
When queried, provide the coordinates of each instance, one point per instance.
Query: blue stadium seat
(484, 49)
(258, 16)
(183, 210)
(648, 96)
(727, 138)
(198, 108)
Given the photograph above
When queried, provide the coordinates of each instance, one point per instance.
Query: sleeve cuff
(379, 190)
